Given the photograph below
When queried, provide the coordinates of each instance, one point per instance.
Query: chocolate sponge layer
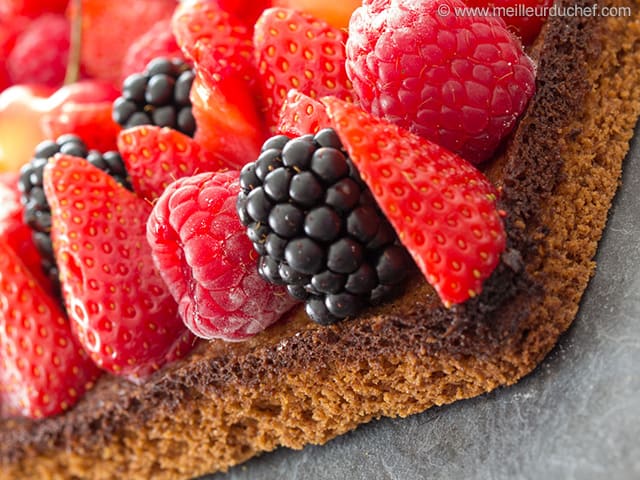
(299, 383)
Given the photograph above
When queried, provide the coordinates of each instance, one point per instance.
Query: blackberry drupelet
(317, 228)
(37, 213)
(158, 96)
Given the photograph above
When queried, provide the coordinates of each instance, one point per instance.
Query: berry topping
(40, 53)
(109, 28)
(159, 41)
(317, 228)
(459, 81)
(205, 258)
(301, 114)
(119, 307)
(155, 157)
(227, 118)
(216, 41)
(37, 212)
(296, 50)
(43, 370)
(157, 96)
(443, 209)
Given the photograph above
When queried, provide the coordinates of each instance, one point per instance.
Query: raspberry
(460, 81)
(158, 96)
(40, 53)
(317, 227)
(200, 249)
(37, 212)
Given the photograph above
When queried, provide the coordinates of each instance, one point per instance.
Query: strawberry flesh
(443, 209)
(119, 306)
(43, 369)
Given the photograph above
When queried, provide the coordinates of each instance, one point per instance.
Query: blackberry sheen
(158, 96)
(317, 228)
(37, 213)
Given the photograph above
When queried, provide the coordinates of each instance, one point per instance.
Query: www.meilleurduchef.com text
(593, 10)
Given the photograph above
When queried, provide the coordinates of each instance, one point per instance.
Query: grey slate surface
(576, 417)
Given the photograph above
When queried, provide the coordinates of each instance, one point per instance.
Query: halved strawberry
(296, 50)
(227, 119)
(302, 114)
(156, 156)
(43, 369)
(119, 306)
(443, 209)
(214, 40)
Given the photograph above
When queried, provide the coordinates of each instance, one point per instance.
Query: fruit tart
(330, 227)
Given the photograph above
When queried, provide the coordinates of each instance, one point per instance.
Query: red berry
(109, 28)
(156, 156)
(296, 50)
(119, 306)
(10, 29)
(227, 119)
(301, 114)
(247, 11)
(158, 41)
(527, 27)
(43, 369)
(40, 54)
(15, 231)
(31, 8)
(460, 81)
(443, 209)
(214, 40)
(205, 257)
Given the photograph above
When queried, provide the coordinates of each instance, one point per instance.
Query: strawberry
(227, 119)
(43, 369)
(15, 231)
(156, 156)
(90, 121)
(203, 254)
(443, 209)
(214, 40)
(119, 306)
(108, 28)
(158, 41)
(527, 27)
(301, 114)
(296, 50)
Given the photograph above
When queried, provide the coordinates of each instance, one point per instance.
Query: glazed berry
(317, 228)
(37, 213)
(158, 96)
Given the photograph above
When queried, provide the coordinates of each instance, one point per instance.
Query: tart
(298, 383)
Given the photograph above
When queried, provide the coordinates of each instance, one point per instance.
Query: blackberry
(317, 227)
(37, 213)
(158, 96)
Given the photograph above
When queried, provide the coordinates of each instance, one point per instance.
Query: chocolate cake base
(299, 383)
